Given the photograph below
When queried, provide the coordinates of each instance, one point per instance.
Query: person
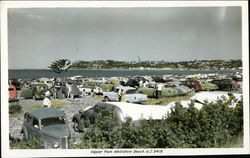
(140, 83)
(120, 94)
(46, 100)
(69, 89)
(159, 89)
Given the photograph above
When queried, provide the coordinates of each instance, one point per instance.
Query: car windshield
(131, 91)
(53, 121)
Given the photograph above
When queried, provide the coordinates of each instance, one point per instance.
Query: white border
(110, 4)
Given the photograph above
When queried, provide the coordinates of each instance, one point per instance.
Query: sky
(39, 36)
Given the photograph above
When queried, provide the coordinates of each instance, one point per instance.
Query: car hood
(57, 131)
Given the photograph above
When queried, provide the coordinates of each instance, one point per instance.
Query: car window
(131, 91)
(35, 122)
(53, 121)
(29, 119)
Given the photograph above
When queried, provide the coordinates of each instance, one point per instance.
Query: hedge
(215, 125)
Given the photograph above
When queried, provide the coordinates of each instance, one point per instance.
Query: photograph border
(7, 152)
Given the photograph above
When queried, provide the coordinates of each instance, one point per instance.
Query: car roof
(125, 88)
(41, 113)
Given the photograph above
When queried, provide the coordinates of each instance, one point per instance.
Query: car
(75, 92)
(85, 118)
(208, 86)
(48, 123)
(35, 91)
(14, 81)
(181, 89)
(12, 93)
(193, 84)
(226, 84)
(151, 92)
(121, 112)
(130, 95)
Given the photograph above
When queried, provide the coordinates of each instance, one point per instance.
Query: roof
(139, 111)
(41, 113)
(125, 88)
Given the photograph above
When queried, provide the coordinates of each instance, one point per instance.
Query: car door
(32, 126)
(114, 95)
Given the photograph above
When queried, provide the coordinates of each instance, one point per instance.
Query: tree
(60, 65)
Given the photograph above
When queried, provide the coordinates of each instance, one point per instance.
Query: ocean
(38, 73)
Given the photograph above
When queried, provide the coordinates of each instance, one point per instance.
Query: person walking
(46, 100)
(159, 89)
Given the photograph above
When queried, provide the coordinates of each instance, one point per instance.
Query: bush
(34, 143)
(15, 109)
(215, 125)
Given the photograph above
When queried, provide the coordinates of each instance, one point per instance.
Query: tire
(106, 98)
(25, 135)
(71, 95)
(34, 97)
(76, 126)
(63, 95)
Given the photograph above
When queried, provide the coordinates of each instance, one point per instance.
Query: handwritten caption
(131, 151)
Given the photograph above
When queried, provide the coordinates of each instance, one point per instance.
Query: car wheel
(76, 126)
(71, 95)
(34, 97)
(63, 95)
(106, 98)
(25, 135)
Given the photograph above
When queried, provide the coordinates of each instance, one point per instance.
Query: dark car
(193, 84)
(35, 91)
(226, 84)
(87, 117)
(50, 124)
(75, 92)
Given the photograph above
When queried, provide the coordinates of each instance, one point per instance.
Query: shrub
(15, 109)
(34, 143)
(215, 125)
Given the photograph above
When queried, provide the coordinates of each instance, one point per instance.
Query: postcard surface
(124, 78)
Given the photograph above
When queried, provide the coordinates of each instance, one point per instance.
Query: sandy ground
(72, 107)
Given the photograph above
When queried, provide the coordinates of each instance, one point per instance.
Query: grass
(98, 97)
(163, 101)
(236, 142)
(54, 104)
(16, 114)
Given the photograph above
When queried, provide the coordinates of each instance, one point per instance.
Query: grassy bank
(164, 101)
(54, 104)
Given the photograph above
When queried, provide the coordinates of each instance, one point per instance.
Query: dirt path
(71, 107)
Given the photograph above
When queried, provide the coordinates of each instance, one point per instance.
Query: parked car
(226, 84)
(35, 91)
(87, 90)
(208, 86)
(75, 92)
(181, 89)
(87, 117)
(121, 112)
(49, 123)
(166, 92)
(130, 95)
(15, 82)
(12, 93)
(193, 84)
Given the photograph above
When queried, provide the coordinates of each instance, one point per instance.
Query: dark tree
(60, 65)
